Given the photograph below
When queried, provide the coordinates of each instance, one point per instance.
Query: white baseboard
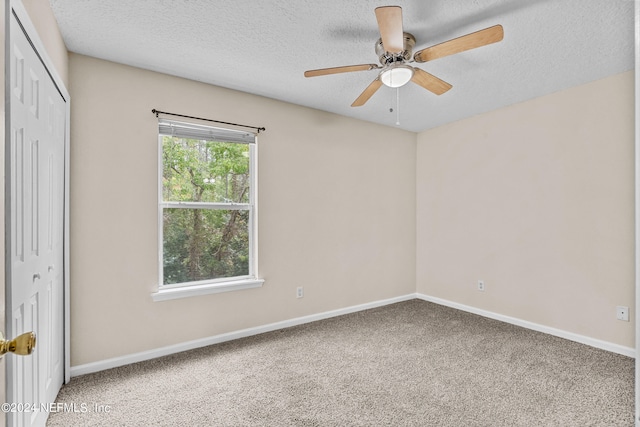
(604, 345)
(216, 339)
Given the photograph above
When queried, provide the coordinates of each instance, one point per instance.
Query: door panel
(35, 288)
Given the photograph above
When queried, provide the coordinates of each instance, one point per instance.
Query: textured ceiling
(264, 47)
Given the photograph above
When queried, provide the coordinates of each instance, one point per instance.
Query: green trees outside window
(206, 209)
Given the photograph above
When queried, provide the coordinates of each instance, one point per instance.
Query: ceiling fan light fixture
(396, 75)
(394, 49)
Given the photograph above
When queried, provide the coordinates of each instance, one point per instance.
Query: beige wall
(336, 202)
(43, 19)
(537, 200)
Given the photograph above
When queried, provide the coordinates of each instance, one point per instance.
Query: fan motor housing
(389, 58)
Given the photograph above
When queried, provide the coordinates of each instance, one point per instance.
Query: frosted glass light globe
(396, 75)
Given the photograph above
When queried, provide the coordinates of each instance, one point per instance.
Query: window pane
(204, 171)
(203, 244)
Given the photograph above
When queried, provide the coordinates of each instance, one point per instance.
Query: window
(207, 209)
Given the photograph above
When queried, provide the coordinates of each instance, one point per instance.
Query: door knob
(22, 345)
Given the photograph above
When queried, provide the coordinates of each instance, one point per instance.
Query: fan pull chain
(397, 101)
(391, 100)
(398, 106)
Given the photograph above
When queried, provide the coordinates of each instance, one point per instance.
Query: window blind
(209, 133)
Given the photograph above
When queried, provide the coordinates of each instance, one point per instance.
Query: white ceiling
(264, 47)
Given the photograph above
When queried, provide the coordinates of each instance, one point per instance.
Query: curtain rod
(156, 112)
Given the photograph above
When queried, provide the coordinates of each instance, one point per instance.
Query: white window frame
(204, 287)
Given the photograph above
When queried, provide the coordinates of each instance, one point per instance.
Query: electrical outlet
(481, 285)
(622, 313)
(299, 292)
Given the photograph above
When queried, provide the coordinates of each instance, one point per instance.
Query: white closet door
(36, 212)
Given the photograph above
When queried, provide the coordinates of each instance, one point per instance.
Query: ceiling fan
(394, 50)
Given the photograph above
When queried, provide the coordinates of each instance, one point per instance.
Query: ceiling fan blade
(390, 25)
(470, 41)
(336, 70)
(367, 93)
(430, 82)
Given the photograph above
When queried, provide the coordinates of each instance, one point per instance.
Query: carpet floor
(413, 363)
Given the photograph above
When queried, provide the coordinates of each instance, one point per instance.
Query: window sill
(205, 289)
